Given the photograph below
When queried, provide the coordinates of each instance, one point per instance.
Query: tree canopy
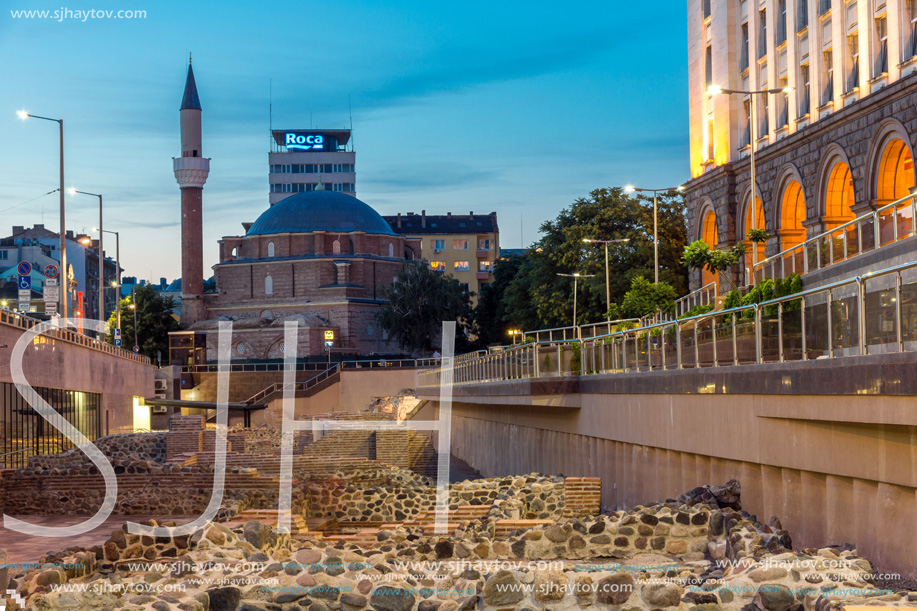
(538, 298)
(419, 300)
(154, 322)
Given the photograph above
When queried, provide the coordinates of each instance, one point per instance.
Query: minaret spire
(191, 171)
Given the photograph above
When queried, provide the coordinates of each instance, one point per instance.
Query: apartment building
(833, 137)
(464, 246)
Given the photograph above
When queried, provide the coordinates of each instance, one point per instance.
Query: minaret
(191, 170)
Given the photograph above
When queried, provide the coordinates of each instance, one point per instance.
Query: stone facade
(857, 135)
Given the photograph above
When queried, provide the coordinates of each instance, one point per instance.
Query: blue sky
(513, 107)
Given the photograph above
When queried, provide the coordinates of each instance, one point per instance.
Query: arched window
(839, 196)
(270, 249)
(896, 173)
(792, 214)
(391, 250)
(708, 235)
(336, 247)
(268, 285)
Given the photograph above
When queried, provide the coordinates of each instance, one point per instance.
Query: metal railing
(19, 458)
(705, 295)
(15, 319)
(869, 314)
(882, 227)
(297, 386)
(581, 332)
(279, 367)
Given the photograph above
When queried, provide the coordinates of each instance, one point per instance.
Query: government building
(834, 135)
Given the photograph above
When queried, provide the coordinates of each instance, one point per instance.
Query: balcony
(482, 253)
(483, 275)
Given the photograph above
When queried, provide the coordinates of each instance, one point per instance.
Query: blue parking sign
(25, 282)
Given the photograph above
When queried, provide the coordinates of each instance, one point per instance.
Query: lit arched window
(336, 247)
(268, 286)
(391, 250)
(270, 249)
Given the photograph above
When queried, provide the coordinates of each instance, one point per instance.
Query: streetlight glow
(22, 114)
(714, 90)
(629, 188)
(71, 191)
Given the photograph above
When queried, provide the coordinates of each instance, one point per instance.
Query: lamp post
(752, 119)
(607, 282)
(117, 283)
(133, 306)
(575, 278)
(514, 333)
(101, 282)
(63, 231)
(656, 192)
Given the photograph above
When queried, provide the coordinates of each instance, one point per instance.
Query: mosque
(320, 258)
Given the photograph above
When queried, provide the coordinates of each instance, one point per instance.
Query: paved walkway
(27, 548)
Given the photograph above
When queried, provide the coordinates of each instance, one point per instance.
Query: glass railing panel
(853, 246)
(844, 313)
(880, 311)
(745, 336)
(816, 326)
(886, 227)
(792, 330)
(904, 215)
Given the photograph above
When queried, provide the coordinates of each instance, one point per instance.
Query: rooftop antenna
(270, 111)
(350, 107)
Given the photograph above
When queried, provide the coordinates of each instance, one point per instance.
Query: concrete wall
(59, 364)
(833, 468)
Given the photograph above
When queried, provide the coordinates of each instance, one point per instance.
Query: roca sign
(306, 142)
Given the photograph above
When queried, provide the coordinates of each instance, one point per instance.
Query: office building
(300, 160)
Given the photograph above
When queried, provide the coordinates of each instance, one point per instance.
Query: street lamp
(133, 306)
(117, 283)
(101, 282)
(575, 278)
(656, 192)
(514, 333)
(607, 283)
(63, 231)
(715, 90)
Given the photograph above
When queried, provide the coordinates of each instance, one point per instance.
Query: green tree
(154, 322)
(537, 297)
(700, 255)
(644, 299)
(419, 300)
(491, 324)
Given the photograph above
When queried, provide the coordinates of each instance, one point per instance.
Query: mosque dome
(319, 210)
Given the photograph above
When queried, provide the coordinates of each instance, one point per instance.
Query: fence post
(875, 229)
(757, 334)
(861, 312)
(780, 332)
(830, 327)
(898, 334)
(678, 364)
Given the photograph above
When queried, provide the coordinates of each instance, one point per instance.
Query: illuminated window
(461, 266)
(438, 266)
(485, 245)
(486, 266)
(460, 244)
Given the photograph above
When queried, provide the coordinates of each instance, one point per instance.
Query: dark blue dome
(319, 211)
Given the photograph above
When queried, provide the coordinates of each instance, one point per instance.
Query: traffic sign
(25, 299)
(136, 348)
(329, 334)
(118, 342)
(329, 343)
(25, 283)
(51, 271)
(25, 268)
(117, 333)
(51, 294)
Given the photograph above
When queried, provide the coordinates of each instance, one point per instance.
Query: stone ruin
(363, 536)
